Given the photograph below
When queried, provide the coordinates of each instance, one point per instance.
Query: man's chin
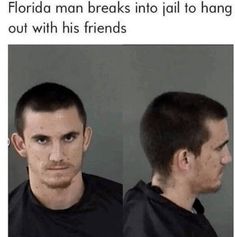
(212, 189)
(58, 183)
(217, 188)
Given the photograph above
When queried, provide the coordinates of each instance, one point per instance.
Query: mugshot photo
(100, 127)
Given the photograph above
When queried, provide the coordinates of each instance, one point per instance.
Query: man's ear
(184, 159)
(19, 145)
(87, 138)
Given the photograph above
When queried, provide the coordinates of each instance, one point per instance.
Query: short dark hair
(176, 120)
(47, 97)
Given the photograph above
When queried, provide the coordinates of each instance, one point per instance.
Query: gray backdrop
(116, 83)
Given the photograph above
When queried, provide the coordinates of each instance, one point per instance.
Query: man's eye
(220, 148)
(41, 140)
(69, 138)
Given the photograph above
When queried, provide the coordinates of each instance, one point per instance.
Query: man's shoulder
(136, 212)
(136, 195)
(18, 194)
(103, 185)
(102, 180)
(145, 202)
(19, 190)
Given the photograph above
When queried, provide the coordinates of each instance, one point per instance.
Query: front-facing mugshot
(58, 199)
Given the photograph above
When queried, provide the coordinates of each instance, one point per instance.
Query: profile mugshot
(59, 199)
(184, 136)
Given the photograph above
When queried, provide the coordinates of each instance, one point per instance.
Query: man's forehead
(72, 110)
(218, 129)
(68, 117)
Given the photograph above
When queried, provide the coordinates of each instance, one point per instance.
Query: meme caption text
(87, 11)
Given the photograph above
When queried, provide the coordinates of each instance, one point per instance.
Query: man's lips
(58, 168)
(221, 172)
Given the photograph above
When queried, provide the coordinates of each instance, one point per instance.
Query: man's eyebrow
(72, 133)
(223, 144)
(36, 136)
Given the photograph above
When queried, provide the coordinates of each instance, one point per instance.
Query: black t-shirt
(148, 214)
(98, 213)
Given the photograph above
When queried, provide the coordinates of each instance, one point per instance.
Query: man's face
(209, 165)
(53, 143)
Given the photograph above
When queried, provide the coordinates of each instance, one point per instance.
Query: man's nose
(227, 158)
(56, 152)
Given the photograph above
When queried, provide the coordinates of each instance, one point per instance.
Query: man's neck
(177, 192)
(61, 198)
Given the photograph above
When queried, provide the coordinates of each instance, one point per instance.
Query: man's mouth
(58, 168)
(221, 172)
